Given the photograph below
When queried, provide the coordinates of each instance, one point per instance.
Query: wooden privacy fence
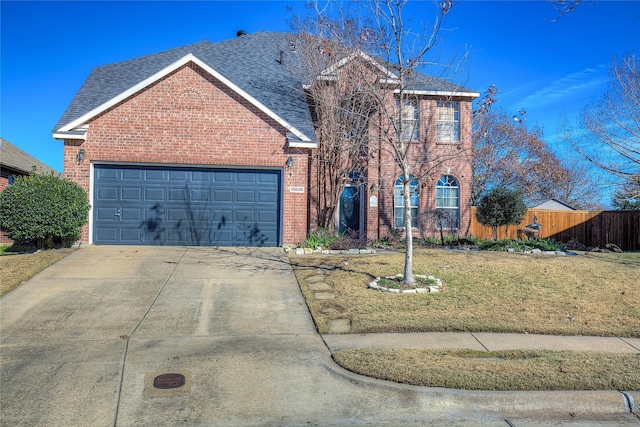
(591, 228)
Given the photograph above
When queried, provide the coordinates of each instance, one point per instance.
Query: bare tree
(613, 124)
(507, 153)
(565, 6)
(380, 57)
(628, 196)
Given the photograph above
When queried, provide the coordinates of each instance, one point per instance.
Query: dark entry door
(350, 210)
(145, 205)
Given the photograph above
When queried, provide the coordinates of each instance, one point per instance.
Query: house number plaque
(296, 189)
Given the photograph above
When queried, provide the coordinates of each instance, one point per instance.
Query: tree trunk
(408, 255)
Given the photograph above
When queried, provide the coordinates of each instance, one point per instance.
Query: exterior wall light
(290, 162)
(80, 155)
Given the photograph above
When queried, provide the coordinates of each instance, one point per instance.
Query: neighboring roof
(11, 157)
(555, 204)
(256, 66)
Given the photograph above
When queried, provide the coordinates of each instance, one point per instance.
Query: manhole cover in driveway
(168, 381)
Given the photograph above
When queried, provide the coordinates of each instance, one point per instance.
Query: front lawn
(588, 294)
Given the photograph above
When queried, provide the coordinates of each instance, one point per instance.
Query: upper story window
(448, 121)
(408, 123)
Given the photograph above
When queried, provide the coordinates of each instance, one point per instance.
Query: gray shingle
(11, 157)
(252, 62)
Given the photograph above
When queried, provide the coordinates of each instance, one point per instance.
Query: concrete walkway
(82, 343)
(484, 342)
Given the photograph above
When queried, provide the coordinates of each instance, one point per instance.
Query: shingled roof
(257, 64)
(11, 157)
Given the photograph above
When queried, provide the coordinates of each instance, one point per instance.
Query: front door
(350, 212)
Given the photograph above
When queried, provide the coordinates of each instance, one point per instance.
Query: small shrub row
(521, 245)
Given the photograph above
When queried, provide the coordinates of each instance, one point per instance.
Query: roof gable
(255, 73)
(189, 58)
(418, 84)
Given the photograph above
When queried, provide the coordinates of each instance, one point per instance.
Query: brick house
(15, 162)
(213, 144)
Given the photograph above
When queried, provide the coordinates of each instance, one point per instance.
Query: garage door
(142, 205)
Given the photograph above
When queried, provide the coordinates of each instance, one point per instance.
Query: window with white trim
(398, 202)
(448, 202)
(408, 122)
(448, 123)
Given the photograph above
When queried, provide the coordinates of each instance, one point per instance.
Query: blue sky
(548, 68)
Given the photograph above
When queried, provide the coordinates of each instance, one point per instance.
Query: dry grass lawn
(20, 267)
(589, 294)
(497, 370)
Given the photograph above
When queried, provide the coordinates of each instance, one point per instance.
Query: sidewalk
(482, 341)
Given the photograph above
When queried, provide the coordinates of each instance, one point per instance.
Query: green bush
(521, 245)
(501, 206)
(44, 210)
(319, 237)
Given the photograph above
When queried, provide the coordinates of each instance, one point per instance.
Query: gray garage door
(142, 205)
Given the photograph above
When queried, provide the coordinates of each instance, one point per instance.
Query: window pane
(448, 202)
(408, 121)
(448, 126)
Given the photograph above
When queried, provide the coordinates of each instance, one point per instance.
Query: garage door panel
(265, 216)
(247, 178)
(176, 214)
(267, 196)
(177, 175)
(221, 237)
(200, 195)
(248, 196)
(154, 175)
(131, 214)
(201, 176)
(105, 213)
(107, 193)
(135, 234)
(244, 217)
(222, 195)
(107, 235)
(154, 194)
(105, 174)
(132, 174)
(222, 216)
(268, 179)
(223, 176)
(134, 193)
(186, 206)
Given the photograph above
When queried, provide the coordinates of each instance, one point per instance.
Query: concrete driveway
(83, 342)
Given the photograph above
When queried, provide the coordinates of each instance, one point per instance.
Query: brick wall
(430, 161)
(4, 183)
(190, 118)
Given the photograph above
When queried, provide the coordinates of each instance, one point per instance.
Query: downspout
(309, 176)
(379, 175)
